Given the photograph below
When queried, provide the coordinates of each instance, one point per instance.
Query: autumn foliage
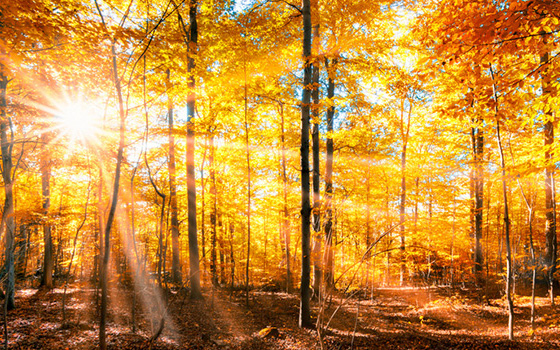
(364, 145)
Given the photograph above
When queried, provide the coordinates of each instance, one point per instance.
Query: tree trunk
(402, 205)
(213, 213)
(286, 214)
(112, 210)
(304, 309)
(478, 187)
(530, 204)
(329, 259)
(317, 258)
(248, 154)
(509, 271)
(48, 262)
(176, 262)
(231, 255)
(203, 207)
(191, 181)
(550, 195)
(100, 224)
(8, 213)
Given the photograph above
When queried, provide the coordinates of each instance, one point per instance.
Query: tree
(115, 195)
(176, 264)
(329, 266)
(304, 308)
(477, 136)
(6, 146)
(549, 188)
(47, 279)
(509, 272)
(315, 112)
(194, 274)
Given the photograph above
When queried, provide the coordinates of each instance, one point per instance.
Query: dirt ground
(392, 318)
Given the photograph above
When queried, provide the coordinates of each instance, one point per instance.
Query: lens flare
(79, 120)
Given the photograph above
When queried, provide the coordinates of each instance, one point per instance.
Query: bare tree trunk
(112, 210)
(317, 258)
(115, 196)
(213, 213)
(550, 195)
(329, 259)
(509, 274)
(48, 263)
(100, 225)
(530, 204)
(248, 154)
(304, 310)
(404, 135)
(232, 256)
(176, 262)
(203, 207)
(286, 218)
(6, 145)
(478, 154)
(191, 181)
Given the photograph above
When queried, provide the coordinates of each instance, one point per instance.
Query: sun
(79, 120)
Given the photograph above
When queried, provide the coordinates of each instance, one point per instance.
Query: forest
(275, 174)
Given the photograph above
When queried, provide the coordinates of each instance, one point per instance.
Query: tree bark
(248, 155)
(402, 205)
(329, 256)
(304, 309)
(48, 263)
(550, 195)
(286, 218)
(6, 145)
(112, 210)
(213, 213)
(317, 258)
(176, 262)
(478, 187)
(509, 270)
(191, 181)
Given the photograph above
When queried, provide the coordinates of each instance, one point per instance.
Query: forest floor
(391, 318)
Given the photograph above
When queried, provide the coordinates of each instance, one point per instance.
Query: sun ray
(79, 120)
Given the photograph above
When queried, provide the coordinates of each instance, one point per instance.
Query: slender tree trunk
(286, 214)
(191, 181)
(265, 231)
(213, 214)
(232, 256)
(404, 135)
(509, 271)
(304, 310)
(389, 236)
(452, 248)
(329, 258)
(100, 223)
(6, 145)
(248, 154)
(534, 263)
(203, 207)
(317, 258)
(529, 205)
(478, 154)
(48, 263)
(133, 237)
(112, 210)
(550, 195)
(176, 261)
(6, 160)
